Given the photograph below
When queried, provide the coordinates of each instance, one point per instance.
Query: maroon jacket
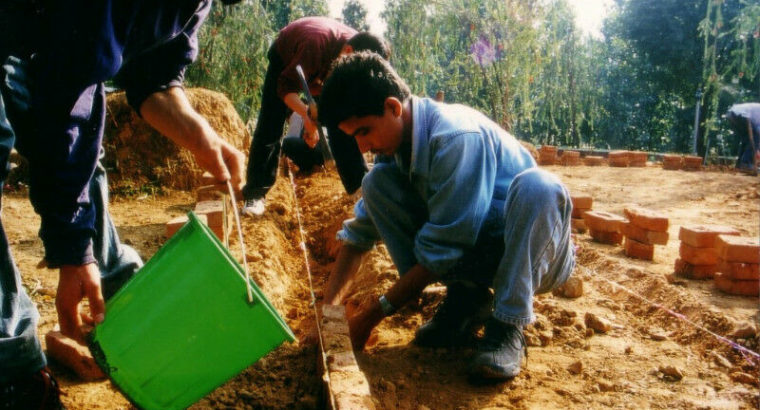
(314, 43)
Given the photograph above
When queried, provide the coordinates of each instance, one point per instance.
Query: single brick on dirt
(704, 236)
(646, 218)
(687, 270)
(570, 158)
(578, 225)
(175, 224)
(740, 270)
(638, 250)
(619, 158)
(692, 163)
(698, 256)
(593, 160)
(72, 355)
(610, 238)
(643, 235)
(601, 221)
(672, 162)
(214, 211)
(582, 201)
(737, 287)
(638, 159)
(738, 248)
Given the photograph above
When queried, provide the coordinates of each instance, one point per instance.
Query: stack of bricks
(593, 160)
(619, 158)
(644, 230)
(547, 155)
(581, 205)
(692, 163)
(671, 162)
(347, 385)
(604, 227)
(699, 258)
(570, 158)
(739, 258)
(638, 159)
(216, 213)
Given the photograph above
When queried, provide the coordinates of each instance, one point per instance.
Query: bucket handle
(242, 244)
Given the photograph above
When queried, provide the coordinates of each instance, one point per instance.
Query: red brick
(638, 159)
(175, 224)
(739, 270)
(672, 162)
(737, 287)
(214, 211)
(582, 201)
(593, 160)
(646, 218)
(704, 236)
(548, 148)
(619, 158)
(692, 163)
(690, 271)
(645, 236)
(603, 221)
(208, 179)
(208, 193)
(578, 212)
(638, 250)
(610, 238)
(698, 256)
(74, 356)
(578, 225)
(738, 248)
(570, 158)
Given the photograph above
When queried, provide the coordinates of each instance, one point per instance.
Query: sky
(588, 13)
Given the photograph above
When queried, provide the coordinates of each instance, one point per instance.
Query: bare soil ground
(632, 366)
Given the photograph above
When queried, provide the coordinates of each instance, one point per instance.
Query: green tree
(355, 15)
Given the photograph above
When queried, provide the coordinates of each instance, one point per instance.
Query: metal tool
(323, 145)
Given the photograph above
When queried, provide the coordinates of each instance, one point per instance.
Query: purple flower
(483, 52)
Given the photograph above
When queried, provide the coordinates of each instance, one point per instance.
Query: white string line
(242, 243)
(313, 302)
(745, 352)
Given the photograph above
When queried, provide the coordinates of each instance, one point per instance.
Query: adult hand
(310, 133)
(74, 284)
(220, 158)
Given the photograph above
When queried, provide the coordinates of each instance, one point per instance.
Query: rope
(749, 355)
(313, 301)
(242, 243)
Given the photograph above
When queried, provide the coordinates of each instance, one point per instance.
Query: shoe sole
(488, 374)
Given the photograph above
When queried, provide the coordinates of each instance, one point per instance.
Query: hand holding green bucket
(183, 325)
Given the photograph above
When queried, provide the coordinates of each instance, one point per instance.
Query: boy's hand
(362, 321)
(74, 284)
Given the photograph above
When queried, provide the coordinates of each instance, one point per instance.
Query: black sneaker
(38, 391)
(500, 352)
(463, 310)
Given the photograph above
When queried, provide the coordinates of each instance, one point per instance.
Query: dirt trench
(649, 359)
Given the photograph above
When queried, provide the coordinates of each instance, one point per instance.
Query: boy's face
(379, 134)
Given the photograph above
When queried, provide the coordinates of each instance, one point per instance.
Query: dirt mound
(137, 156)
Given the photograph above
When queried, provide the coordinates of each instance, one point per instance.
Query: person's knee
(379, 180)
(538, 185)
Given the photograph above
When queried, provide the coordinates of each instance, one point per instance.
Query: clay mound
(531, 148)
(137, 155)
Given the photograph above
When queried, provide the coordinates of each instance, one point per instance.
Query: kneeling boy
(455, 198)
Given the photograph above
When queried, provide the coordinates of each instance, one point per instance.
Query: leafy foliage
(355, 15)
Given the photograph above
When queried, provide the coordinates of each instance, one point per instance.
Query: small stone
(747, 331)
(575, 367)
(720, 360)
(589, 332)
(657, 335)
(741, 377)
(573, 288)
(671, 372)
(628, 350)
(532, 340)
(606, 386)
(546, 337)
(600, 325)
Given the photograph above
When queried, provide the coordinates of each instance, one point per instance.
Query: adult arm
(170, 113)
(293, 101)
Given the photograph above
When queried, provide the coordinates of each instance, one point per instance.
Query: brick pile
(581, 205)
(738, 261)
(699, 256)
(672, 162)
(692, 163)
(638, 159)
(604, 227)
(619, 158)
(212, 208)
(547, 155)
(570, 158)
(644, 230)
(593, 160)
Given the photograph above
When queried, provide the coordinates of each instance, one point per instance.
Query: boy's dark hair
(366, 41)
(357, 86)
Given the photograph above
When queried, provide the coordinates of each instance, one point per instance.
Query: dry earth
(634, 365)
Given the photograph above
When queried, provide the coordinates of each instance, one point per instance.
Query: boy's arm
(293, 101)
(408, 287)
(341, 278)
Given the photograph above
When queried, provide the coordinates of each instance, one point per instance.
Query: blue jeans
(535, 255)
(20, 351)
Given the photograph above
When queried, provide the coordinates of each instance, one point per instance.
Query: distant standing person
(745, 122)
(313, 43)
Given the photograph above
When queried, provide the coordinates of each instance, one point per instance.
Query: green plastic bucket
(183, 325)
